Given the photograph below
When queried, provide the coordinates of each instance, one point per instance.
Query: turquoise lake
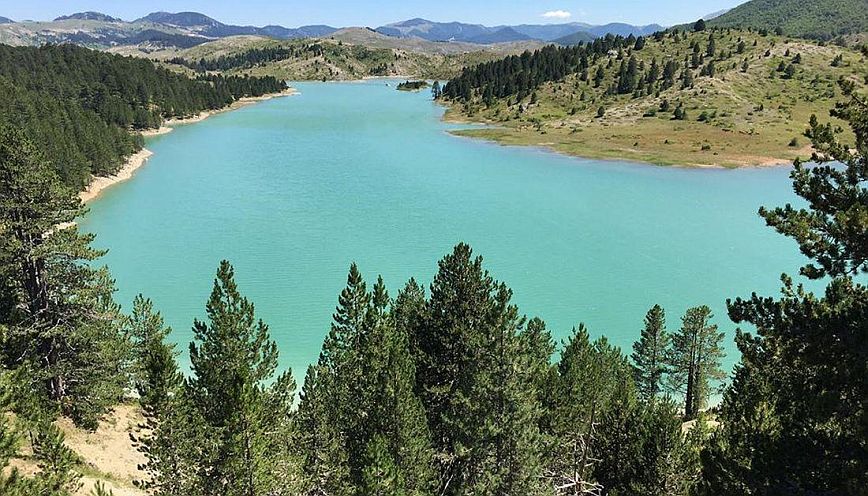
(293, 189)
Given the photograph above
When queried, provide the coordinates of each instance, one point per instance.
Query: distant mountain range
(187, 29)
(158, 29)
(211, 28)
(477, 33)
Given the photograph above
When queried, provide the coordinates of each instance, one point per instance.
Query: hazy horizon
(345, 13)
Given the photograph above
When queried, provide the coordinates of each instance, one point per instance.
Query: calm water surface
(293, 189)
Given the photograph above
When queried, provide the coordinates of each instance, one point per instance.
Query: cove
(292, 190)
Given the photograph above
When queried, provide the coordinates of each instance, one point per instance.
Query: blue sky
(292, 13)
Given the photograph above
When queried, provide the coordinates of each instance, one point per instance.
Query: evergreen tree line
(243, 86)
(244, 60)
(412, 85)
(521, 74)
(449, 392)
(445, 391)
(80, 106)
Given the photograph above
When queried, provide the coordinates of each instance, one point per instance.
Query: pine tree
(232, 359)
(653, 72)
(380, 475)
(711, 49)
(11, 481)
(793, 420)
(666, 456)
(172, 434)
(475, 382)
(436, 90)
(179, 446)
(649, 354)
(57, 463)
(695, 359)
(350, 332)
(338, 394)
(599, 75)
(686, 78)
(627, 76)
(539, 348)
(506, 447)
(320, 440)
(408, 314)
(590, 377)
(155, 374)
(284, 469)
(729, 462)
(393, 415)
(448, 341)
(835, 251)
(64, 326)
(618, 442)
(696, 57)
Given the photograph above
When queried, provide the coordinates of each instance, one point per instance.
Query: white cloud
(557, 14)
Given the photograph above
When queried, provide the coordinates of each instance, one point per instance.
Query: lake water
(293, 189)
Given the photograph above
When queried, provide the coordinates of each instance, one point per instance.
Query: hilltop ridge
(824, 19)
(89, 16)
(186, 29)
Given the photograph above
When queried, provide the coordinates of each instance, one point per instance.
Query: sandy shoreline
(100, 183)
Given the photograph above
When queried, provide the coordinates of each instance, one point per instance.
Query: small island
(412, 85)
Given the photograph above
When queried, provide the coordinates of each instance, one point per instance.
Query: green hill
(670, 99)
(817, 19)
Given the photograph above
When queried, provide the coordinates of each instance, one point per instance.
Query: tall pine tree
(233, 359)
(649, 354)
(695, 359)
(62, 323)
(476, 383)
(794, 419)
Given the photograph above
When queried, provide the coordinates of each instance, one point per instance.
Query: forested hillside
(704, 96)
(446, 391)
(81, 106)
(820, 19)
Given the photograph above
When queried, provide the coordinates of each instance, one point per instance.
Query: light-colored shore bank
(100, 183)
